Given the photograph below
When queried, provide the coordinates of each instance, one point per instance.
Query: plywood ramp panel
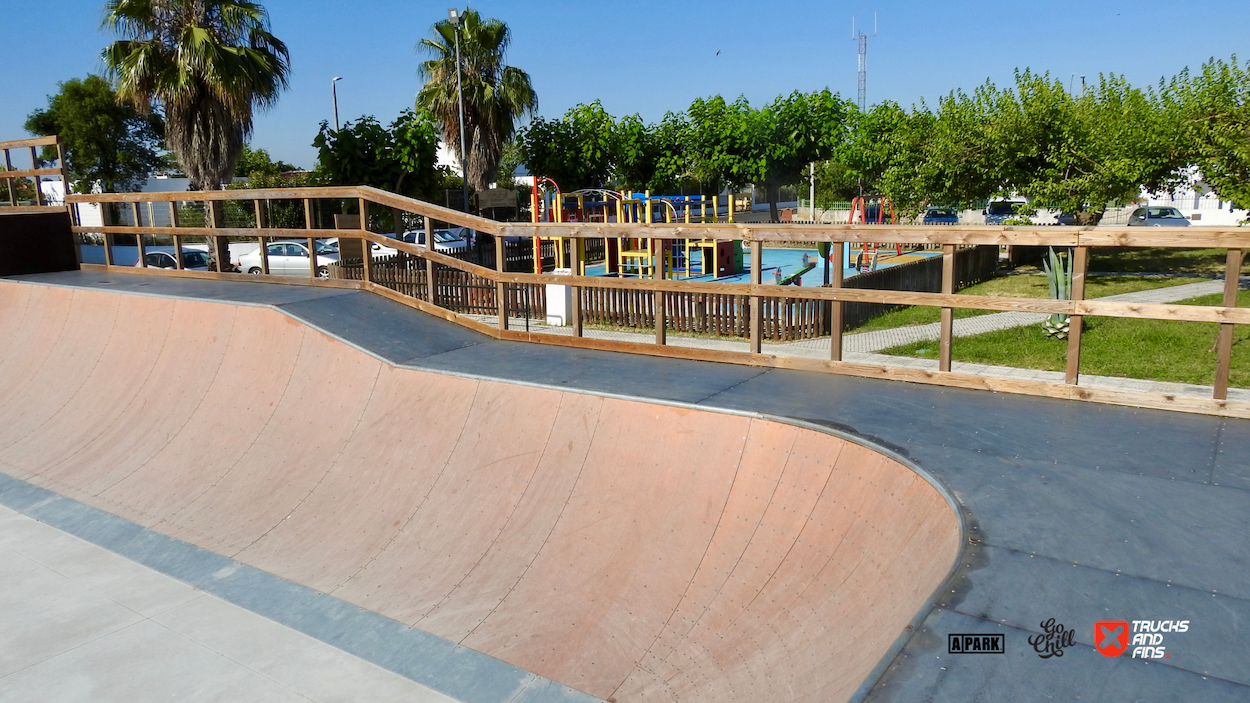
(380, 479)
(115, 380)
(320, 408)
(161, 406)
(59, 359)
(632, 551)
(248, 381)
(498, 449)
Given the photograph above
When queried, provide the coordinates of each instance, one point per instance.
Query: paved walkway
(82, 623)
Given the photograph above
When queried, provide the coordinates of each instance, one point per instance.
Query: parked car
(290, 259)
(332, 245)
(192, 260)
(444, 239)
(997, 212)
(1157, 217)
(941, 216)
(1065, 218)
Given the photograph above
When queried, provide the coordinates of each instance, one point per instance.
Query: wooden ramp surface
(633, 551)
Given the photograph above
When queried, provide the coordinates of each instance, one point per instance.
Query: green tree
(1081, 154)
(576, 150)
(495, 95)
(724, 143)
(105, 141)
(210, 64)
(1213, 112)
(401, 158)
(799, 129)
(254, 162)
(651, 156)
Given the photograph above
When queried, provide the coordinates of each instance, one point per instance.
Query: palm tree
(495, 95)
(210, 64)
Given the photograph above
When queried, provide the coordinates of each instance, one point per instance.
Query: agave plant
(1058, 268)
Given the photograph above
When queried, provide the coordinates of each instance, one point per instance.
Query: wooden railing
(672, 298)
(14, 178)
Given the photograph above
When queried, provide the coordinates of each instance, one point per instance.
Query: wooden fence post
(106, 219)
(501, 288)
(835, 313)
(261, 224)
(1224, 342)
(430, 288)
(34, 164)
(578, 257)
(366, 246)
(756, 331)
(8, 166)
(661, 323)
(220, 245)
(134, 213)
(173, 222)
(1080, 261)
(948, 314)
(312, 242)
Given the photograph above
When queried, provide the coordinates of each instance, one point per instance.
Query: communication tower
(863, 59)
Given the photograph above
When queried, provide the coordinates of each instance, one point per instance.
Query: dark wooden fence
(972, 265)
(456, 290)
(784, 318)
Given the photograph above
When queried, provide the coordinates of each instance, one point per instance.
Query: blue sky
(651, 57)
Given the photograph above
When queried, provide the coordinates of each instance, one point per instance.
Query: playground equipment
(638, 257)
(860, 206)
(796, 278)
(653, 258)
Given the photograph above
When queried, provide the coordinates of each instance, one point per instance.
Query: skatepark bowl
(630, 550)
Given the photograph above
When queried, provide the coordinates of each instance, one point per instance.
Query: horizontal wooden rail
(430, 284)
(31, 173)
(21, 143)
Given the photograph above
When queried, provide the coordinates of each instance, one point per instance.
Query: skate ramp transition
(630, 550)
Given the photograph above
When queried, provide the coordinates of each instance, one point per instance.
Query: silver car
(290, 259)
(1157, 217)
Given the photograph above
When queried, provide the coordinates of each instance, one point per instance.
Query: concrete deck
(84, 624)
(1075, 512)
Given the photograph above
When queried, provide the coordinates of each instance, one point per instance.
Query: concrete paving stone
(116, 578)
(44, 614)
(141, 663)
(310, 667)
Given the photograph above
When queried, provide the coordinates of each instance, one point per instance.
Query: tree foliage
(1212, 110)
(495, 95)
(257, 162)
(401, 158)
(1076, 153)
(105, 141)
(209, 64)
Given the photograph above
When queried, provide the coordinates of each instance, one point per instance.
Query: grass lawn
(1017, 286)
(1160, 260)
(1153, 350)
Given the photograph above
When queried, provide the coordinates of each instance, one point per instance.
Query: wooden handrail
(35, 141)
(756, 235)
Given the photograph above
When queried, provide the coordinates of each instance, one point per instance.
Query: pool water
(783, 261)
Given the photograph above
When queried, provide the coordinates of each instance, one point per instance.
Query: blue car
(941, 216)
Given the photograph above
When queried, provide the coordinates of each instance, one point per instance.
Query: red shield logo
(1111, 637)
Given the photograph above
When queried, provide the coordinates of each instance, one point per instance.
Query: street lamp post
(454, 16)
(334, 91)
